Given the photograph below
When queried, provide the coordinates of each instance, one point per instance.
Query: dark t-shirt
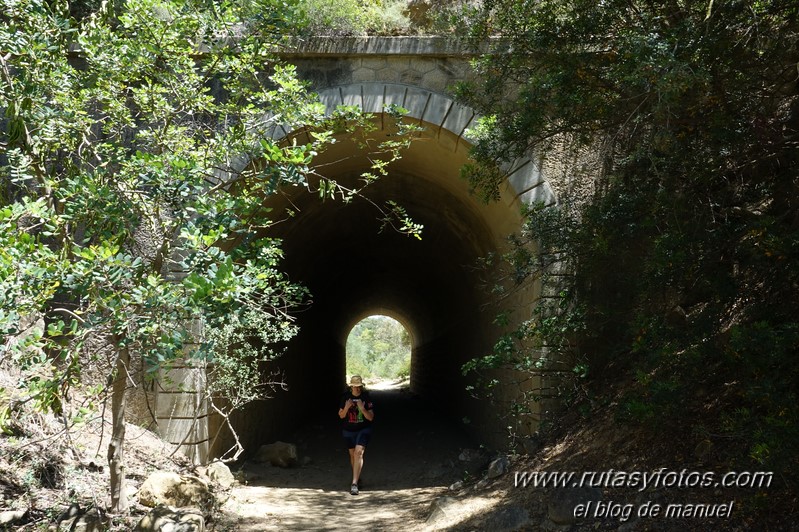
(354, 419)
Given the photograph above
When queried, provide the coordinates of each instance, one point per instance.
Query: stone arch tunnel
(354, 267)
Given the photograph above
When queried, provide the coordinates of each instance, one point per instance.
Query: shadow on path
(411, 459)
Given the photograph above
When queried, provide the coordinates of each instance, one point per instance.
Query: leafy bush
(354, 17)
(686, 254)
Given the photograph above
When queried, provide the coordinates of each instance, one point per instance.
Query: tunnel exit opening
(379, 349)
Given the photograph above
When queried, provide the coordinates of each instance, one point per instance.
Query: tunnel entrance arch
(352, 266)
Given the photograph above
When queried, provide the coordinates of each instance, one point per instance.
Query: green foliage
(379, 347)
(354, 17)
(239, 353)
(685, 257)
(125, 213)
(543, 346)
(397, 218)
(119, 162)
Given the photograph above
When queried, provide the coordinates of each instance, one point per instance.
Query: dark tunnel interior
(354, 267)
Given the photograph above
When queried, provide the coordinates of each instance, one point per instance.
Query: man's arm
(368, 414)
(342, 412)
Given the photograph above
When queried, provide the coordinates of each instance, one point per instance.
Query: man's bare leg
(356, 459)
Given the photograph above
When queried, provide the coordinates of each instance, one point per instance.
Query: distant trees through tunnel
(379, 347)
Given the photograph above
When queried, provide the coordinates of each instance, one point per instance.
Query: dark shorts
(357, 437)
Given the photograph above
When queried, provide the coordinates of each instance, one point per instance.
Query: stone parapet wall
(432, 63)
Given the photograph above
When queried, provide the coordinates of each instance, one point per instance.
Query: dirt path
(411, 460)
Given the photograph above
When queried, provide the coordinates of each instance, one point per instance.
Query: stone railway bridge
(354, 270)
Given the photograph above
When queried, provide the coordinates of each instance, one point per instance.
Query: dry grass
(46, 465)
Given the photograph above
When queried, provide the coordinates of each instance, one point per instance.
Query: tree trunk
(116, 461)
